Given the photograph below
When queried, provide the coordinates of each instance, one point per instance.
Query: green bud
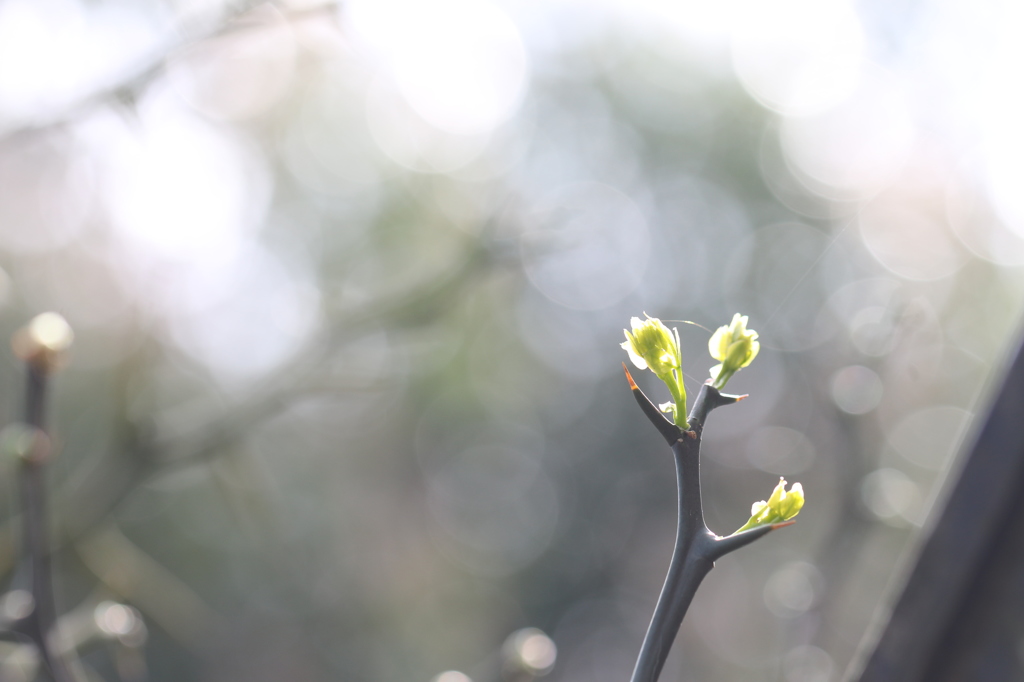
(652, 345)
(781, 506)
(735, 346)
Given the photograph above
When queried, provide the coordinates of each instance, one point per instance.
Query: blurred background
(348, 283)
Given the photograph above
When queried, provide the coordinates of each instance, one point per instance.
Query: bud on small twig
(735, 346)
(652, 345)
(43, 343)
(781, 506)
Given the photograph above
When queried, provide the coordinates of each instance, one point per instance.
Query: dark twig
(669, 431)
(696, 547)
(40, 345)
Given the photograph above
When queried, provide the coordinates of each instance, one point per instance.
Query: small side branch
(708, 399)
(730, 543)
(669, 431)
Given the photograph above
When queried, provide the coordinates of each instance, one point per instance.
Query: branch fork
(696, 547)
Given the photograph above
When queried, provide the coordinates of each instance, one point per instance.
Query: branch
(40, 345)
(696, 547)
(669, 431)
(691, 561)
(731, 543)
(708, 398)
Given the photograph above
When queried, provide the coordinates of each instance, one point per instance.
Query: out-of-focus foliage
(348, 284)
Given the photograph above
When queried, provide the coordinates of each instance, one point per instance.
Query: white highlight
(53, 52)
(857, 146)
(410, 141)
(263, 315)
(179, 189)
(460, 64)
(798, 56)
(185, 199)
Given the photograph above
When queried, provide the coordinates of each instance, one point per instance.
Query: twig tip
(629, 378)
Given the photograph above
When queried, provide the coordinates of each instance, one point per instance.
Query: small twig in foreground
(42, 346)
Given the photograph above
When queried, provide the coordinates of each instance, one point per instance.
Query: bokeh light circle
(798, 57)
(852, 149)
(460, 64)
(856, 389)
(585, 246)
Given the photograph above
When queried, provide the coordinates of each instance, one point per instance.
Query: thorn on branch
(708, 399)
(629, 378)
(669, 431)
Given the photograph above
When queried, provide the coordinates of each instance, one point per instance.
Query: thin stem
(678, 388)
(40, 624)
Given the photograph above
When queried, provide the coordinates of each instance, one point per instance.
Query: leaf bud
(735, 347)
(781, 506)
